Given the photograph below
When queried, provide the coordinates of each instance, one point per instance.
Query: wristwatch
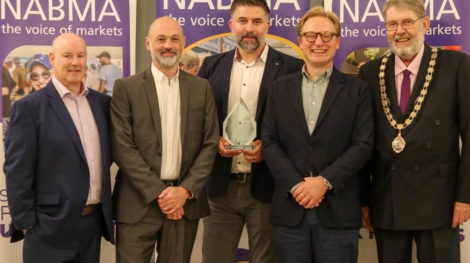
(326, 183)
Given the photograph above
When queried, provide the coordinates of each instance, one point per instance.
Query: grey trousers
(135, 243)
(223, 228)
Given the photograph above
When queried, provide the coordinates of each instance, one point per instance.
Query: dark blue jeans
(309, 242)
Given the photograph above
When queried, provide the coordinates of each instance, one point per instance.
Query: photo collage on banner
(205, 25)
(364, 38)
(27, 29)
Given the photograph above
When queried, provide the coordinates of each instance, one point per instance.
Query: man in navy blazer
(317, 135)
(240, 186)
(57, 160)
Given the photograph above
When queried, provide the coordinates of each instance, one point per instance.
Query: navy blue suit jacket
(340, 145)
(218, 69)
(47, 175)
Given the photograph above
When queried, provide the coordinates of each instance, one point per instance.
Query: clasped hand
(311, 192)
(171, 201)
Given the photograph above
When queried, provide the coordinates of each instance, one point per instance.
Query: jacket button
(310, 148)
(437, 122)
(428, 145)
(393, 167)
(416, 167)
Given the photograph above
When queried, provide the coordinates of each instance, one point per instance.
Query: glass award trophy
(239, 128)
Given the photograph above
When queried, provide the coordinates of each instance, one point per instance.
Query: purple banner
(28, 27)
(205, 23)
(364, 36)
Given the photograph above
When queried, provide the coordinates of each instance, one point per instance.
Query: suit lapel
(295, 91)
(226, 64)
(272, 66)
(334, 86)
(64, 116)
(152, 98)
(184, 101)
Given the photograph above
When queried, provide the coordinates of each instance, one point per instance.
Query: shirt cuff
(327, 183)
(293, 188)
(191, 196)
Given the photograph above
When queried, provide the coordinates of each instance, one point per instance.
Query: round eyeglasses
(326, 36)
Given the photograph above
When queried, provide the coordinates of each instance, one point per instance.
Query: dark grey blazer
(137, 144)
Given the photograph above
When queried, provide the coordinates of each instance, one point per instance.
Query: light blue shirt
(313, 93)
(110, 73)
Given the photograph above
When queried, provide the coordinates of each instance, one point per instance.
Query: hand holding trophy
(239, 128)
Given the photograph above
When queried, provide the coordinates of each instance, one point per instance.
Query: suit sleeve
(463, 178)
(365, 172)
(126, 155)
(283, 170)
(360, 149)
(20, 165)
(202, 165)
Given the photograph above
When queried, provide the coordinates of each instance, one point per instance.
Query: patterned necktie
(405, 91)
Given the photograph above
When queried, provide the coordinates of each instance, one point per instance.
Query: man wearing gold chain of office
(420, 187)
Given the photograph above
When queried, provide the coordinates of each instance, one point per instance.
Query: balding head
(68, 58)
(166, 22)
(67, 38)
(165, 41)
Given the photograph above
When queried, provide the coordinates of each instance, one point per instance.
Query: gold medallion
(398, 143)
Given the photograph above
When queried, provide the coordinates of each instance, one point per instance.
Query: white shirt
(168, 95)
(245, 82)
(82, 116)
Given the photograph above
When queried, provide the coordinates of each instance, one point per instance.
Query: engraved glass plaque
(239, 128)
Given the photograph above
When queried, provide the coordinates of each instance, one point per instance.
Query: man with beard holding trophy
(240, 187)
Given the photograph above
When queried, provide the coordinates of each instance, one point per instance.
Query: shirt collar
(263, 56)
(324, 75)
(414, 65)
(159, 76)
(63, 91)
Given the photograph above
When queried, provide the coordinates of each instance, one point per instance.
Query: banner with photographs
(27, 29)
(364, 38)
(205, 25)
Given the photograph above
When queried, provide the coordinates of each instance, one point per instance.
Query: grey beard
(167, 62)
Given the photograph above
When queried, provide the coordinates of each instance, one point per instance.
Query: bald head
(165, 41)
(68, 58)
(165, 22)
(65, 39)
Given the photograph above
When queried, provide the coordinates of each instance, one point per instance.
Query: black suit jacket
(338, 148)
(417, 188)
(217, 69)
(47, 174)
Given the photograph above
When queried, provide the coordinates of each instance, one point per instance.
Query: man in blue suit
(240, 186)
(317, 135)
(57, 160)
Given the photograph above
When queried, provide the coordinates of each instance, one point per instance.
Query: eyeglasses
(406, 24)
(45, 75)
(325, 36)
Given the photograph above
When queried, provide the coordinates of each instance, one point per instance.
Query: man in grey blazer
(165, 135)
